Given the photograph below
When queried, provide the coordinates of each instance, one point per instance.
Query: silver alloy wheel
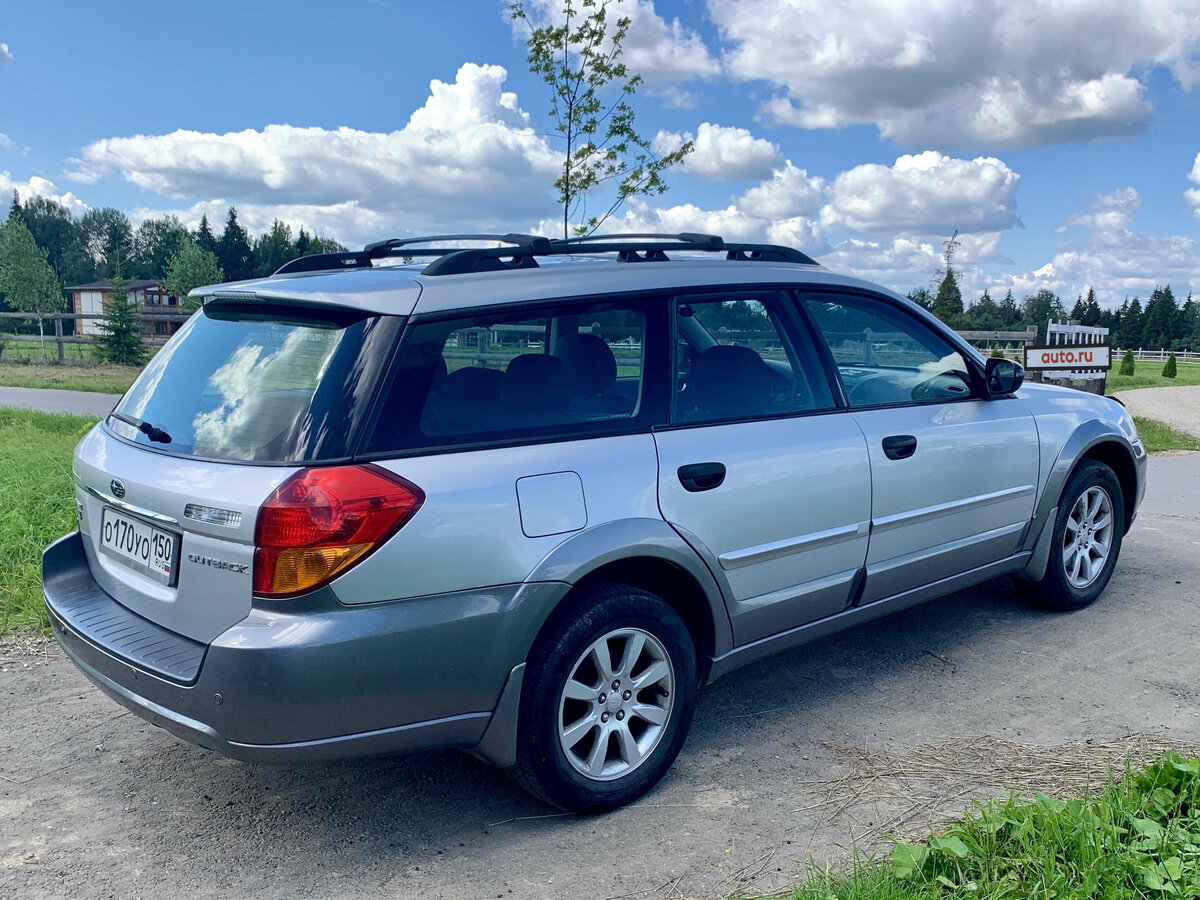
(616, 704)
(1087, 540)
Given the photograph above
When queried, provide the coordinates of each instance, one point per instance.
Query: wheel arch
(643, 553)
(1097, 440)
(646, 554)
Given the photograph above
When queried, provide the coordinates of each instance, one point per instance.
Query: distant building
(89, 298)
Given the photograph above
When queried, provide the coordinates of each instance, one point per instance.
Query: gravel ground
(1178, 407)
(95, 803)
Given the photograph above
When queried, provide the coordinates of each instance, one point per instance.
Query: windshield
(258, 383)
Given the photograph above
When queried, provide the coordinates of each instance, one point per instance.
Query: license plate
(140, 546)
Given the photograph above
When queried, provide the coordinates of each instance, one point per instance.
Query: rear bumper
(325, 684)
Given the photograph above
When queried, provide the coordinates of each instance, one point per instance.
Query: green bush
(1170, 370)
(1126, 364)
(998, 353)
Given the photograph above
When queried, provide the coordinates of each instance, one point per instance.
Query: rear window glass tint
(256, 384)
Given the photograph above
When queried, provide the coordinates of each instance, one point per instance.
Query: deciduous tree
(28, 282)
(108, 237)
(154, 245)
(577, 52)
(191, 267)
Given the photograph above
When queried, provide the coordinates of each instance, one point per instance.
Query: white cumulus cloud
(1192, 195)
(927, 193)
(962, 73)
(788, 193)
(39, 187)
(1113, 257)
(470, 153)
(722, 153)
(5, 56)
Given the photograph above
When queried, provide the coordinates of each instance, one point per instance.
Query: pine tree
(1130, 333)
(204, 236)
(921, 297)
(1127, 364)
(120, 339)
(947, 302)
(983, 313)
(1007, 311)
(1170, 370)
(1091, 309)
(1161, 322)
(234, 252)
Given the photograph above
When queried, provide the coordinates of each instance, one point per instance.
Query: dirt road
(96, 803)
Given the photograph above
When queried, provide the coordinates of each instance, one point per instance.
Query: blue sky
(1061, 140)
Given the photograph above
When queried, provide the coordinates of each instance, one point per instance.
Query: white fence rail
(1181, 356)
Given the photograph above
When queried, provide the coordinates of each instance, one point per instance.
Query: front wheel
(1086, 540)
(608, 698)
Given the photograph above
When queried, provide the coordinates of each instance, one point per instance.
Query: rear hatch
(169, 485)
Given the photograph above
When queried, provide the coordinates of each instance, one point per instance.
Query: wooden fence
(57, 335)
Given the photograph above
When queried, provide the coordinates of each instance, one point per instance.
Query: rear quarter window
(561, 371)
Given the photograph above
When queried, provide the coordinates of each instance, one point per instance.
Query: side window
(884, 356)
(732, 360)
(572, 368)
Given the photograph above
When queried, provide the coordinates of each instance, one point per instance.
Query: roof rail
(629, 248)
(363, 259)
(522, 249)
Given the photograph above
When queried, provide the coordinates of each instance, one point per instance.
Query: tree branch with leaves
(578, 54)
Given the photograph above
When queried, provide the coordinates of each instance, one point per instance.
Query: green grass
(38, 505)
(1160, 436)
(1139, 837)
(101, 379)
(1149, 374)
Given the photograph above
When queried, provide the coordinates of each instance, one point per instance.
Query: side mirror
(1003, 376)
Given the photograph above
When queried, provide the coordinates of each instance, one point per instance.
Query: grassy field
(1149, 374)
(38, 505)
(1160, 436)
(1138, 838)
(101, 379)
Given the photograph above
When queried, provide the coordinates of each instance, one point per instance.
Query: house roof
(139, 285)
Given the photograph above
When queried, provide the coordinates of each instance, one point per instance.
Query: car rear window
(258, 383)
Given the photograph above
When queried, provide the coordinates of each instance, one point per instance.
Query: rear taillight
(320, 522)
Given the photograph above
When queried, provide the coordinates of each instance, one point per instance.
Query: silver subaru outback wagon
(524, 498)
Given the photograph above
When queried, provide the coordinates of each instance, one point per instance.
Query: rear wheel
(609, 693)
(1086, 540)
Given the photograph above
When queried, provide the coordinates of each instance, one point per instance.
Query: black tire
(1055, 590)
(613, 613)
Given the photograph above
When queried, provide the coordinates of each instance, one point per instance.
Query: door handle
(899, 446)
(701, 476)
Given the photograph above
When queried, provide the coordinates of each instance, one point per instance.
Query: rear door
(954, 474)
(759, 470)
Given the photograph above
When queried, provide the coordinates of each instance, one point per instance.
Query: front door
(954, 475)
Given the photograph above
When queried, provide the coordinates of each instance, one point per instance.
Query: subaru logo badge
(118, 489)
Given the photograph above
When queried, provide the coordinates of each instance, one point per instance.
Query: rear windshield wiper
(155, 434)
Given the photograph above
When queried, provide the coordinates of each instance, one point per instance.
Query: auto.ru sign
(1073, 357)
